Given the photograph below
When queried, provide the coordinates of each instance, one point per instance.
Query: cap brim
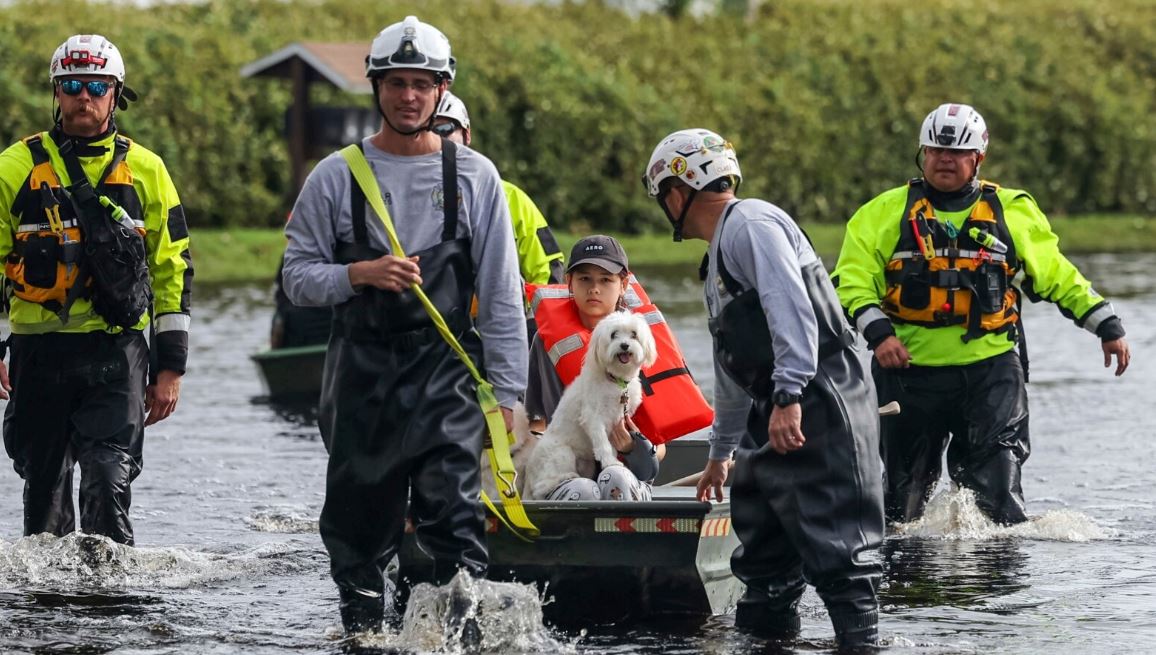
(613, 267)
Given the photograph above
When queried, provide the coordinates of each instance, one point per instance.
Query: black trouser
(814, 514)
(983, 407)
(400, 420)
(77, 398)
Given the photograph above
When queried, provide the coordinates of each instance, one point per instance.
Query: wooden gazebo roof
(340, 64)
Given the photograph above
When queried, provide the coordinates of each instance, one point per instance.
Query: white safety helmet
(955, 127)
(697, 157)
(410, 44)
(453, 108)
(86, 54)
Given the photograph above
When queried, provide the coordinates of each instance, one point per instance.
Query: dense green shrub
(822, 98)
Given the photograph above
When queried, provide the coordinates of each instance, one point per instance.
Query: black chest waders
(400, 414)
(814, 513)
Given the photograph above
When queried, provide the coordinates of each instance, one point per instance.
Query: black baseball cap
(599, 250)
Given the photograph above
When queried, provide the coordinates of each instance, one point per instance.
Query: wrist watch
(784, 399)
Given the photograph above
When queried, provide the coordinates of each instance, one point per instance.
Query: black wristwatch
(784, 399)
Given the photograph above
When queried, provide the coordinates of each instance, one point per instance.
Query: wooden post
(297, 114)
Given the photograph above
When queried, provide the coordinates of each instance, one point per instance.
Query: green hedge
(822, 98)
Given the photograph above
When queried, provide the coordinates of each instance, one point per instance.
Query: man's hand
(508, 418)
(387, 272)
(891, 353)
(161, 398)
(5, 383)
(785, 429)
(713, 477)
(1119, 348)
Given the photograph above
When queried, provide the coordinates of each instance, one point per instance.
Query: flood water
(229, 560)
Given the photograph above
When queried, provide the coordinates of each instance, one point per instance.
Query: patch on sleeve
(549, 244)
(178, 228)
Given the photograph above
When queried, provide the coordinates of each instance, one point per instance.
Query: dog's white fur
(579, 432)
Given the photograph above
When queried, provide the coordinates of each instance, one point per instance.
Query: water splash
(953, 514)
(94, 562)
(281, 522)
(507, 617)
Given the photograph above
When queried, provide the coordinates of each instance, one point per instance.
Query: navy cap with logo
(599, 250)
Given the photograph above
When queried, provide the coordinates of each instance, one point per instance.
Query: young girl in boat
(597, 278)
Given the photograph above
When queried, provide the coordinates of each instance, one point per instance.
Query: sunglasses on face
(96, 88)
(444, 129)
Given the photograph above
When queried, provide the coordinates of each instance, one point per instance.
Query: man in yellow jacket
(96, 251)
(539, 256)
(932, 273)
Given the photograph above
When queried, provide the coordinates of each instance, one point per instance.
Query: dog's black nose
(624, 346)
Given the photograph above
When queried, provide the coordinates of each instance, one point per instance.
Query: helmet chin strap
(377, 103)
(677, 223)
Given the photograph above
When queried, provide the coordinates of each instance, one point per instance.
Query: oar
(890, 409)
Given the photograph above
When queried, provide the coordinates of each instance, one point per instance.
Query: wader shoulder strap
(498, 440)
(357, 198)
(450, 189)
(732, 285)
(357, 208)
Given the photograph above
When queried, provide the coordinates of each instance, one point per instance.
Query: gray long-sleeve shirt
(763, 249)
(412, 190)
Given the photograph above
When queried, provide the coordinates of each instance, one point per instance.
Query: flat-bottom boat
(609, 561)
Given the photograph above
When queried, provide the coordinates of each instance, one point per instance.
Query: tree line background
(822, 98)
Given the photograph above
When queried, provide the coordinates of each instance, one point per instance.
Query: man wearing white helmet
(96, 246)
(398, 411)
(806, 500)
(932, 273)
(538, 252)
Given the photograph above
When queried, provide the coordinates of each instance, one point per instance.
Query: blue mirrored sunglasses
(96, 88)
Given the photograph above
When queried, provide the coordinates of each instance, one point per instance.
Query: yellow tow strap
(498, 446)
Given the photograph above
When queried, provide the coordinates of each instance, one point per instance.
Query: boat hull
(608, 562)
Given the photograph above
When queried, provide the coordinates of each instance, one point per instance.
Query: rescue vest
(939, 276)
(673, 405)
(47, 264)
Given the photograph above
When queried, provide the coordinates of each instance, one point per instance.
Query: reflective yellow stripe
(947, 252)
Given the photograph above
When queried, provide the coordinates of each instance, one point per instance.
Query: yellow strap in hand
(502, 464)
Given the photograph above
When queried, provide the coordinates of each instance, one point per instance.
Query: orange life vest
(672, 404)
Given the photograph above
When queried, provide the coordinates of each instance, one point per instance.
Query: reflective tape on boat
(627, 524)
(716, 527)
(491, 524)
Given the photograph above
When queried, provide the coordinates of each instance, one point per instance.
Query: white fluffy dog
(605, 390)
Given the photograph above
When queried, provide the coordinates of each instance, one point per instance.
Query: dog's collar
(622, 384)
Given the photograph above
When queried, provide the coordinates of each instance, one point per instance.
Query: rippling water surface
(229, 560)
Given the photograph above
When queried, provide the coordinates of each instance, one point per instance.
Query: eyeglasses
(398, 85)
(96, 88)
(444, 129)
